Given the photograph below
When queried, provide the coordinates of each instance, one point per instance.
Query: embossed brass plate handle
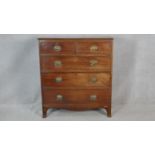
(93, 63)
(59, 97)
(58, 79)
(93, 80)
(57, 63)
(57, 48)
(93, 98)
(93, 48)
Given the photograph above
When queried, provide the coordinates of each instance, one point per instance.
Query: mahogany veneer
(76, 73)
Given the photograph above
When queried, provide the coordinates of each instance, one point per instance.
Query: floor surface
(128, 112)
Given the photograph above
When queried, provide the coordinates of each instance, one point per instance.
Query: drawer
(95, 47)
(57, 47)
(86, 80)
(77, 96)
(75, 64)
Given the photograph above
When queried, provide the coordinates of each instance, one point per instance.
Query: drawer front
(95, 47)
(75, 64)
(57, 47)
(77, 96)
(61, 80)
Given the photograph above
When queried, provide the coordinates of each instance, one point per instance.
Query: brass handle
(59, 97)
(93, 62)
(93, 80)
(93, 48)
(93, 98)
(58, 79)
(57, 48)
(57, 63)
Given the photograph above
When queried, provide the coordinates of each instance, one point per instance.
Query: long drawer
(64, 97)
(75, 64)
(58, 80)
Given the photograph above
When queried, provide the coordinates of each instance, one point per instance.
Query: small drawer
(72, 80)
(95, 47)
(75, 64)
(76, 96)
(57, 47)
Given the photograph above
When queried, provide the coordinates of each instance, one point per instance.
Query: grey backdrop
(133, 79)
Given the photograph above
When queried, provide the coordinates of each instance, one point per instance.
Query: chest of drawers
(76, 74)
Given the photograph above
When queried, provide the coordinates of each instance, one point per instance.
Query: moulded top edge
(75, 38)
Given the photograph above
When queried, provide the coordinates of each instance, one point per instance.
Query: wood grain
(67, 47)
(77, 80)
(83, 73)
(76, 64)
(103, 48)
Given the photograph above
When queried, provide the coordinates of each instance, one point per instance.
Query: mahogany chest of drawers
(76, 73)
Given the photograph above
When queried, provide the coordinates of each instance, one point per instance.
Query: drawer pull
(93, 98)
(93, 48)
(57, 48)
(93, 62)
(59, 97)
(93, 80)
(57, 63)
(58, 79)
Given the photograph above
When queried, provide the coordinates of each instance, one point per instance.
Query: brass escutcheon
(93, 80)
(58, 79)
(57, 48)
(57, 63)
(59, 97)
(93, 62)
(93, 97)
(93, 48)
